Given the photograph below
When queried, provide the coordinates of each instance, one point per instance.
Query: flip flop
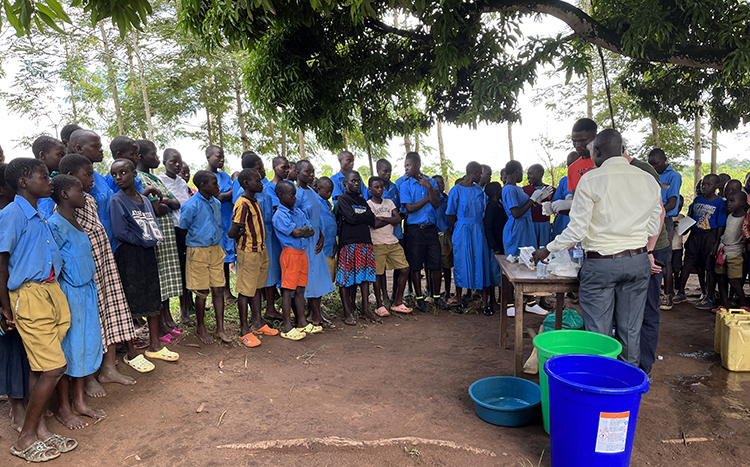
(311, 329)
(250, 340)
(294, 335)
(176, 332)
(353, 322)
(267, 330)
(140, 343)
(164, 354)
(382, 312)
(271, 318)
(168, 339)
(400, 309)
(60, 443)
(325, 324)
(37, 452)
(139, 364)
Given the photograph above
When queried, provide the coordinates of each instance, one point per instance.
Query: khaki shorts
(731, 267)
(252, 271)
(332, 267)
(205, 267)
(389, 257)
(446, 249)
(42, 318)
(293, 268)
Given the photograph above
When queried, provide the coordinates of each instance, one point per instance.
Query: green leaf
(58, 9)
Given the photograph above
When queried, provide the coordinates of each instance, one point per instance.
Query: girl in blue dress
(318, 277)
(82, 344)
(474, 265)
(519, 230)
(562, 193)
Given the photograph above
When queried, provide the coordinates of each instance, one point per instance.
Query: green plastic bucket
(553, 343)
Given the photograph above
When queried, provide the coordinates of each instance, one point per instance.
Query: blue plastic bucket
(594, 403)
(506, 400)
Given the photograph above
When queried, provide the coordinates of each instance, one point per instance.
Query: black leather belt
(622, 254)
(423, 226)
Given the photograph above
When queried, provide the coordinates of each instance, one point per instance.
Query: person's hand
(654, 268)
(8, 318)
(310, 232)
(424, 182)
(540, 254)
(319, 245)
(539, 195)
(561, 205)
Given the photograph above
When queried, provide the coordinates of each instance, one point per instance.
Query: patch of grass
(531, 464)
(413, 452)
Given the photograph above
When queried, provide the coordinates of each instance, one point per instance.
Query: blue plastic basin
(506, 400)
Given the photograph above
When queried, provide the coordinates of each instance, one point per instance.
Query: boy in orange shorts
(249, 231)
(292, 229)
(32, 302)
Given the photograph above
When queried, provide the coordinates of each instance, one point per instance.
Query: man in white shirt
(615, 210)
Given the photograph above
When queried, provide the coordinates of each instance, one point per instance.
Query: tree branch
(595, 33)
(376, 24)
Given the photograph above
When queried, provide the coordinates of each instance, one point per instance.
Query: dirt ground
(408, 377)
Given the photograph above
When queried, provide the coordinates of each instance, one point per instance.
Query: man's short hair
(169, 152)
(3, 165)
(301, 164)
(413, 156)
(372, 181)
(382, 163)
(513, 166)
(657, 152)
(249, 159)
(21, 167)
(278, 160)
(210, 148)
(245, 175)
(201, 177)
(585, 124)
(143, 144)
(493, 188)
(122, 144)
(60, 183)
(283, 186)
(737, 194)
(68, 130)
(43, 144)
(474, 166)
(72, 163)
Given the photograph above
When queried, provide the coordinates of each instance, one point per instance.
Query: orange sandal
(401, 309)
(250, 340)
(267, 330)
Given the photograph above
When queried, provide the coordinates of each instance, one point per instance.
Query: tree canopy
(386, 67)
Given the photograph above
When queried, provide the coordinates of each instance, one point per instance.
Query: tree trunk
(240, 115)
(209, 127)
(144, 91)
(655, 132)
(220, 127)
(275, 141)
(441, 150)
(369, 158)
(283, 142)
(111, 78)
(510, 141)
(714, 149)
(302, 152)
(416, 142)
(70, 78)
(346, 140)
(131, 74)
(698, 169)
(407, 143)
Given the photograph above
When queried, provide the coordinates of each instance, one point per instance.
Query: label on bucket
(613, 432)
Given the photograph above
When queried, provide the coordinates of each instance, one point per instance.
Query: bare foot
(92, 388)
(16, 418)
(187, 320)
(71, 420)
(83, 409)
(223, 337)
(372, 318)
(350, 321)
(107, 375)
(205, 337)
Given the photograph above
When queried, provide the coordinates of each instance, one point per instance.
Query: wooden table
(525, 282)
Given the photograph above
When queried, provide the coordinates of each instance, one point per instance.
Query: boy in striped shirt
(252, 257)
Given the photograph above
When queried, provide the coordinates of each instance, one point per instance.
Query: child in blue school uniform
(445, 235)
(215, 158)
(32, 302)
(200, 222)
(82, 345)
(123, 147)
(561, 201)
(346, 162)
(539, 221)
(294, 232)
(474, 264)
(15, 379)
(48, 150)
(328, 224)
(318, 283)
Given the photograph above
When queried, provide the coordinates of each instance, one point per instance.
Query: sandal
(139, 364)
(266, 330)
(311, 329)
(272, 319)
(452, 302)
(400, 309)
(37, 452)
(382, 312)
(250, 340)
(60, 443)
(164, 354)
(168, 339)
(325, 324)
(176, 332)
(294, 335)
(140, 343)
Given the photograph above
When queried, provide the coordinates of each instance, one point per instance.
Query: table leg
(504, 286)
(559, 310)
(519, 330)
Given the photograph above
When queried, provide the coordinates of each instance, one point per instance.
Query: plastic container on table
(567, 341)
(594, 404)
(722, 318)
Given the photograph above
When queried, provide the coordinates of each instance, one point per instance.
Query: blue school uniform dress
(82, 345)
(474, 265)
(328, 223)
(225, 185)
(318, 275)
(102, 194)
(46, 207)
(265, 200)
(561, 220)
(517, 232)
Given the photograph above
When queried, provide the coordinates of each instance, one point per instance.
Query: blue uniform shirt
(328, 225)
(671, 182)
(113, 186)
(29, 241)
(411, 192)
(201, 218)
(285, 220)
(442, 221)
(102, 195)
(227, 208)
(46, 207)
(338, 186)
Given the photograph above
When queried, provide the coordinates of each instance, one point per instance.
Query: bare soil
(405, 378)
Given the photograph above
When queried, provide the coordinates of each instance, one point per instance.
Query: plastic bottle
(541, 270)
